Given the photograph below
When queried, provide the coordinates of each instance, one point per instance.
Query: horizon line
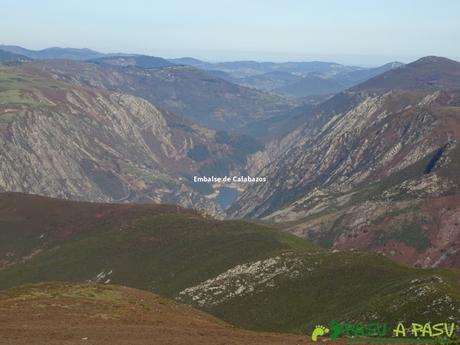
(327, 57)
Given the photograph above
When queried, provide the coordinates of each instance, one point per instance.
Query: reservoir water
(226, 196)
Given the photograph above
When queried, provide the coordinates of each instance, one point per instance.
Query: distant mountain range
(141, 61)
(7, 56)
(291, 79)
(53, 53)
(242, 69)
(322, 84)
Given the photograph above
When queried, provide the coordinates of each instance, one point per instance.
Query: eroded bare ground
(90, 314)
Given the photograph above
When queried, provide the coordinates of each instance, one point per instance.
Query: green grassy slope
(247, 274)
(162, 248)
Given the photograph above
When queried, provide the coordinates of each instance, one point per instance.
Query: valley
(92, 128)
(342, 200)
(384, 148)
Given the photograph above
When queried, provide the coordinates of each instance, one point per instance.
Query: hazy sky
(347, 31)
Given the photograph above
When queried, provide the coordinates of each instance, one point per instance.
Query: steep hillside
(184, 90)
(414, 229)
(431, 72)
(249, 275)
(112, 315)
(67, 141)
(361, 137)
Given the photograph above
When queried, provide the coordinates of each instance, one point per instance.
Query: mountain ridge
(53, 52)
(6, 56)
(429, 72)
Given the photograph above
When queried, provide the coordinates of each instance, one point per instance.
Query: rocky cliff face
(405, 140)
(381, 135)
(88, 144)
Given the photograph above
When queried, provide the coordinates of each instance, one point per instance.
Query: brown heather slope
(68, 314)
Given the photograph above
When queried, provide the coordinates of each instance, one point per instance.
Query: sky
(360, 32)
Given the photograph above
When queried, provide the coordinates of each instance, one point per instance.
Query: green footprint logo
(319, 331)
